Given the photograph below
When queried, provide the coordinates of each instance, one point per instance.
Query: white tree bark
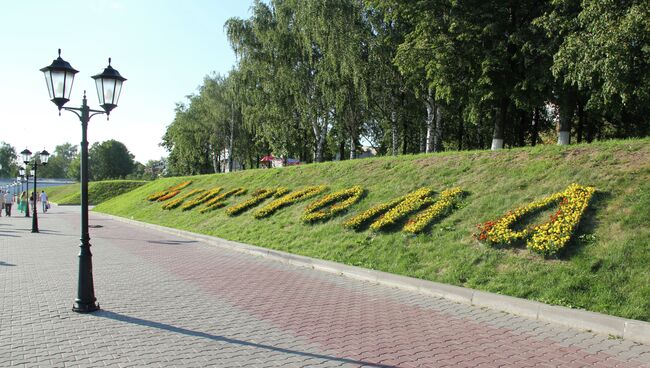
(429, 103)
(497, 144)
(563, 138)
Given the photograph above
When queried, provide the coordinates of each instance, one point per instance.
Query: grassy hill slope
(98, 191)
(605, 267)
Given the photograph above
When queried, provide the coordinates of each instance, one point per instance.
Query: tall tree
(109, 160)
(8, 161)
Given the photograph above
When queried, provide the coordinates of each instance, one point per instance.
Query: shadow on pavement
(166, 327)
(13, 236)
(171, 242)
(2, 263)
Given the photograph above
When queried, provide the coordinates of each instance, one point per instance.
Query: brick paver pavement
(170, 301)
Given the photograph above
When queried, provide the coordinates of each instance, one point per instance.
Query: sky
(163, 47)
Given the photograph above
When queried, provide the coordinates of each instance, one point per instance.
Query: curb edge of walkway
(618, 327)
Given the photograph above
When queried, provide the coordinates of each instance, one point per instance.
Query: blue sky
(163, 47)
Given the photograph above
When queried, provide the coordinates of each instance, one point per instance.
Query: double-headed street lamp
(59, 77)
(25, 174)
(34, 161)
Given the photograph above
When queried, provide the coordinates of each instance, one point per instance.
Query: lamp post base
(81, 307)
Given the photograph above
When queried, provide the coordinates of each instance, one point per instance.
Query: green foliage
(315, 80)
(8, 161)
(109, 160)
(58, 165)
(98, 191)
(603, 268)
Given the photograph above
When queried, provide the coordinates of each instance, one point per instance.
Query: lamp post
(35, 161)
(59, 77)
(25, 173)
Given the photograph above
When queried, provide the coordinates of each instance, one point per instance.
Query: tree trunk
(404, 137)
(499, 125)
(320, 132)
(394, 133)
(215, 161)
(437, 139)
(218, 158)
(590, 130)
(567, 108)
(342, 150)
(521, 132)
(231, 139)
(580, 127)
(429, 103)
(535, 129)
(422, 138)
(461, 131)
(353, 148)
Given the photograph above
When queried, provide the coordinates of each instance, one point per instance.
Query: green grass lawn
(605, 268)
(98, 191)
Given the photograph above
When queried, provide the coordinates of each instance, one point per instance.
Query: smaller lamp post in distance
(59, 77)
(35, 161)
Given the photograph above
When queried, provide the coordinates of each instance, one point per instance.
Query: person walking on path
(2, 201)
(44, 201)
(22, 202)
(9, 198)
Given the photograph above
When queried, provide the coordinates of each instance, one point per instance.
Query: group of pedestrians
(8, 199)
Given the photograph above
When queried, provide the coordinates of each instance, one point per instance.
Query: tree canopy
(316, 80)
(109, 160)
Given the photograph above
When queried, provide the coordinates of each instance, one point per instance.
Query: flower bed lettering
(288, 200)
(326, 207)
(204, 197)
(178, 201)
(441, 207)
(547, 238)
(218, 201)
(391, 212)
(258, 197)
(168, 193)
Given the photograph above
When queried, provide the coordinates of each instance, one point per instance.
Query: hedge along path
(328, 206)
(201, 199)
(258, 197)
(218, 201)
(443, 206)
(288, 200)
(177, 202)
(168, 193)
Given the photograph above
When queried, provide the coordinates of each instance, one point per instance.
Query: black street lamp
(34, 161)
(25, 174)
(59, 77)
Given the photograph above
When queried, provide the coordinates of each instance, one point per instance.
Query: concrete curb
(629, 329)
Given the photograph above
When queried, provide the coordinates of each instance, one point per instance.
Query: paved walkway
(168, 301)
